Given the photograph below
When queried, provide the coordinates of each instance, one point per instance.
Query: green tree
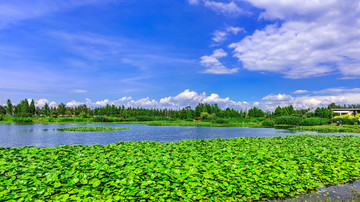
(278, 111)
(32, 108)
(46, 110)
(256, 112)
(9, 107)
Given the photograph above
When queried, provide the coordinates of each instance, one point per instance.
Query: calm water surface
(44, 135)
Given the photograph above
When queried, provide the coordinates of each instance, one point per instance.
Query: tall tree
(32, 108)
(9, 107)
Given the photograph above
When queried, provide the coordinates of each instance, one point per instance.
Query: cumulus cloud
(214, 65)
(315, 39)
(313, 100)
(192, 98)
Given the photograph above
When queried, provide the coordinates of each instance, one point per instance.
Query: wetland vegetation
(204, 169)
(92, 129)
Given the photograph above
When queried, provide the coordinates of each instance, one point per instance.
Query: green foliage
(92, 129)
(255, 112)
(74, 120)
(83, 115)
(346, 121)
(144, 118)
(329, 129)
(205, 116)
(222, 121)
(101, 119)
(22, 119)
(314, 122)
(130, 119)
(164, 119)
(239, 169)
(2, 117)
(50, 119)
(323, 112)
(288, 120)
(268, 123)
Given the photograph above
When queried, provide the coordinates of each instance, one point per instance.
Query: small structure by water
(350, 111)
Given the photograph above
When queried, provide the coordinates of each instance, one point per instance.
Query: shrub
(313, 122)
(66, 120)
(22, 120)
(144, 118)
(50, 119)
(130, 119)
(164, 119)
(101, 119)
(268, 123)
(221, 121)
(116, 119)
(1, 117)
(189, 119)
(207, 117)
(345, 121)
(288, 120)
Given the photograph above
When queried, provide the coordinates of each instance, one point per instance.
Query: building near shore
(350, 111)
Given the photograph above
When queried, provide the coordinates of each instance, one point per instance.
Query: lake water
(45, 135)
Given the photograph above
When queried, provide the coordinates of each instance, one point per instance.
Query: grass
(333, 128)
(232, 123)
(92, 129)
(238, 169)
(203, 124)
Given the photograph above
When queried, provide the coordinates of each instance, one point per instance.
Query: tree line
(202, 111)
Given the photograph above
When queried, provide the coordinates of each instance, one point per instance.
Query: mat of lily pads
(206, 169)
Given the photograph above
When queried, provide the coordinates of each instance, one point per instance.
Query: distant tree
(278, 111)
(255, 112)
(9, 107)
(32, 108)
(2, 110)
(61, 109)
(332, 106)
(46, 110)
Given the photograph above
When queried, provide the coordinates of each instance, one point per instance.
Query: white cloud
(221, 35)
(332, 91)
(337, 91)
(300, 92)
(41, 102)
(317, 38)
(213, 64)
(11, 12)
(192, 98)
(73, 103)
(234, 30)
(194, 2)
(278, 97)
(225, 8)
(79, 91)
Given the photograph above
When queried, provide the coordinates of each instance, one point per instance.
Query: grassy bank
(332, 128)
(92, 129)
(327, 128)
(211, 169)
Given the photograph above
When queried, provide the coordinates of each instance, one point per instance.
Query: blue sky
(237, 53)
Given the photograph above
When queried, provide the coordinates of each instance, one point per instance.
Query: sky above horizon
(237, 53)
